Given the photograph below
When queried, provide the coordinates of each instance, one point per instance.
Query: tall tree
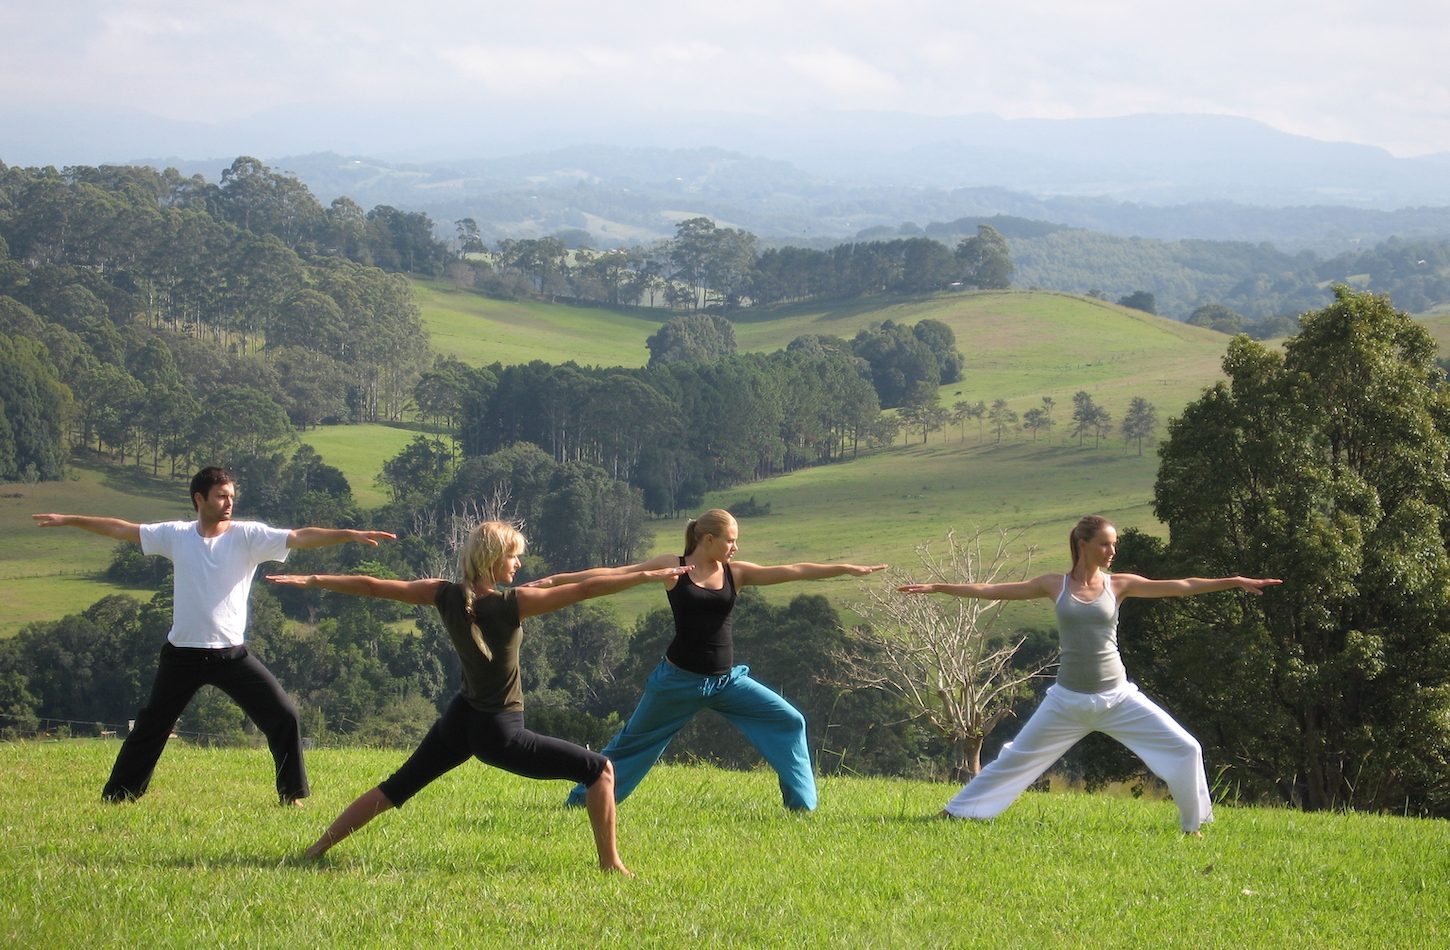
(1325, 465)
(695, 338)
(986, 260)
(1140, 421)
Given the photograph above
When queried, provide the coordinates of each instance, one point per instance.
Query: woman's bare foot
(616, 868)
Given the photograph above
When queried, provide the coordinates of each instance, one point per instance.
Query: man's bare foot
(288, 802)
(616, 868)
(1193, 834)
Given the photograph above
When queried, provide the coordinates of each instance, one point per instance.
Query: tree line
(705, 266)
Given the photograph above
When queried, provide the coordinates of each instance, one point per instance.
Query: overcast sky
(1337, 70)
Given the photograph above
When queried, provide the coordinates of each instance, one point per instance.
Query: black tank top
(702, 642)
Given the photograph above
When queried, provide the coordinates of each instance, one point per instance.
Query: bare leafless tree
(942, 654)
(449, 536)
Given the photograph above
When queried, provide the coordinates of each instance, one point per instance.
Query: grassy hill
(482, 858)
(1019, 346)
(480, 330)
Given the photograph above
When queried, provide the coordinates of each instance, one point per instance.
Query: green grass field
(359, 453)
(481, 330)
(482, 858)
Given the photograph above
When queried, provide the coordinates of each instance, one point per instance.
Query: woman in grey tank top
(1092, 692)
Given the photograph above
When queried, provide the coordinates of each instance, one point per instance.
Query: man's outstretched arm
(106, 527)
(326, 537)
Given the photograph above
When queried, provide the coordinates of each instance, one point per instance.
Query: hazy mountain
(807, 178)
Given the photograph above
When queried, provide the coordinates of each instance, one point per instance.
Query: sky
(1334, 70)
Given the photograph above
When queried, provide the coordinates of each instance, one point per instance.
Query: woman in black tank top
(486, 720)
(698, 670)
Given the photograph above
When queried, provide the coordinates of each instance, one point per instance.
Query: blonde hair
(487, 546)
(715, 521)
(1083, 532)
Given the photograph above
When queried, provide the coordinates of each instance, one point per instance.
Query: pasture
(481, 330)
(482, 858)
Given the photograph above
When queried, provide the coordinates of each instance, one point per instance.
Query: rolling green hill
(1019, 346)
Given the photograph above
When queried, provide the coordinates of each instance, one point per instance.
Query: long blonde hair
(715, 521)
(486, 548)
(1083, 532)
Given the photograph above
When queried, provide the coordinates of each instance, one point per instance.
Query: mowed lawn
(482, 858)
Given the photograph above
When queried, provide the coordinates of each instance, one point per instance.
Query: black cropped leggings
(495, 738)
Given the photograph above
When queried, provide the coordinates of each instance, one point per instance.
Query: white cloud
(1346, 69)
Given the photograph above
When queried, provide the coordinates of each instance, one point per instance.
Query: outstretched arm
(1131, 585)
(107, 527)
(421, 592)
(326, 537)
(578, 577)
(533, 601)
(747, 574)
(1045, 585)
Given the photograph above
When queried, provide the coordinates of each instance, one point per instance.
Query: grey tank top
(1087, 635)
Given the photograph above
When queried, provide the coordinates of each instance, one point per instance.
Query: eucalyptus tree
(1139, 422)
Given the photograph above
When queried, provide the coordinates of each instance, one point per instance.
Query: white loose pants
(1066, 717)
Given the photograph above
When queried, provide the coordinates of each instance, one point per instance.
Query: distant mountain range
(809, 179)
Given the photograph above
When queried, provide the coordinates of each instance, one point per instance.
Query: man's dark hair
(208, 478)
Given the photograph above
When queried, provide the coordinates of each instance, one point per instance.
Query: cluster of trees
(679, 428)
(1255, 282)
(707, 266)
(161, 318)
(700, 416)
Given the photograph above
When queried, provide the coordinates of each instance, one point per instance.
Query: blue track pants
(673, 696)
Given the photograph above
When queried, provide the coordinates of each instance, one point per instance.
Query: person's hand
(916, 589)
(1256, 585)
(48, 521)
(290, 580)
(861, 570)
(372, 538)
(665, 573)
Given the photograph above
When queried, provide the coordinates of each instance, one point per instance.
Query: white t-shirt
(212, 576)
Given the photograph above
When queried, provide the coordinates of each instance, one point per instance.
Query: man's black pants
(179, 674)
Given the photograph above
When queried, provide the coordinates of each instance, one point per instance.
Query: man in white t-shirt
(215, 559)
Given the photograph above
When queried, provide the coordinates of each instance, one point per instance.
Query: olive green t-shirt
(490, 680)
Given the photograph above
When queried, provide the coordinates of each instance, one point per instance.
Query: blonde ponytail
(715, 521)
(485, 550)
